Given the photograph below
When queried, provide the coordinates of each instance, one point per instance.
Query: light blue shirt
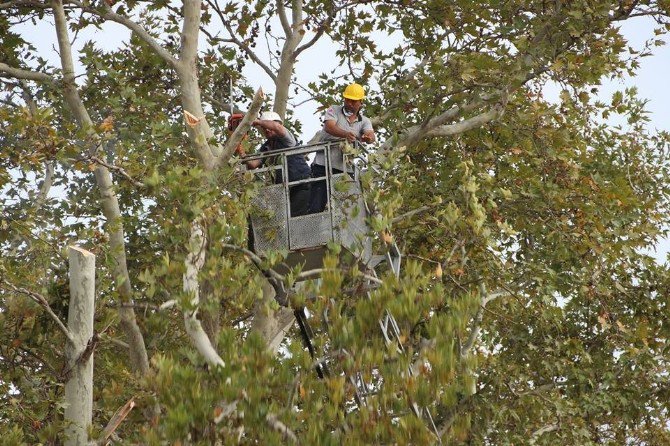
(358, 127)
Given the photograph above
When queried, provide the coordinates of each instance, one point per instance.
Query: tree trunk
(79, 385)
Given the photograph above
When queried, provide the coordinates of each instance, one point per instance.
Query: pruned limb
(243, 127)
(116, 421)
(194, 262)
(41, 301)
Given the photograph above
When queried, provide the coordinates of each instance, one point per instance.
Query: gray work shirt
(358, 127)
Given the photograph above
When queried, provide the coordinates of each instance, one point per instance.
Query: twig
(118, 169)
(411, 213)
(256, 260)
(41, 300)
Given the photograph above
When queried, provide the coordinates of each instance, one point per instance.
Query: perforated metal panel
(268, 219)
(349, 216)
(307, 231)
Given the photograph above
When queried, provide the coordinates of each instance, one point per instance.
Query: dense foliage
(527, 304)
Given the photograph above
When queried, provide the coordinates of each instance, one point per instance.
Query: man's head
(353, 98)
(269, 116)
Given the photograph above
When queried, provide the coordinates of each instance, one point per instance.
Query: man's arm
(275, 126)
(330, 126)
(368, 133)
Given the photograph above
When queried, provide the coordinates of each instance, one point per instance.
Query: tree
(529, 310)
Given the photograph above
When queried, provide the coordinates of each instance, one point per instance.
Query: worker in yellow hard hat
(340, 121)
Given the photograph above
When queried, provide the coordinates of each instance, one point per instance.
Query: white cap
(270, 116)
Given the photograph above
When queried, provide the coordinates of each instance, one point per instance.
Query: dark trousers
(299, 196)
(319, 196)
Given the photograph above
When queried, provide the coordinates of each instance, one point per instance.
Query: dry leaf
(602, 318)
(107, 124)
(438, 271)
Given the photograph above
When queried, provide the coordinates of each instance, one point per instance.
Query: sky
(650, 78)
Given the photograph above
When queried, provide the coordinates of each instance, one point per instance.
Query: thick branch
(109, 200)
(18, 73)
(188, 53)
(468, 124)
(431, 129)
(477, 321)
(194, 263)
(281, 12)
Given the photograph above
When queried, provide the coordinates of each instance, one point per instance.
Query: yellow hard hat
(354, 92)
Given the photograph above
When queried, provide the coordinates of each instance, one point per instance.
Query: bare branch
(433, 129)
(322, 28)
(22, 3)
(541, 431)
(41, 301)
(234, 40)
(18, 73)
(468, 124)
(65, 51)
(476, 322)
(117, 169)
(114, 341)
(411, 213)
(142, 33)
(281, 12)
(249, 52)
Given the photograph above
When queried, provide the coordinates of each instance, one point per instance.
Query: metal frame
(282, 165)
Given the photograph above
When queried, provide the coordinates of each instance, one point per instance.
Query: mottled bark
(79, 358)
